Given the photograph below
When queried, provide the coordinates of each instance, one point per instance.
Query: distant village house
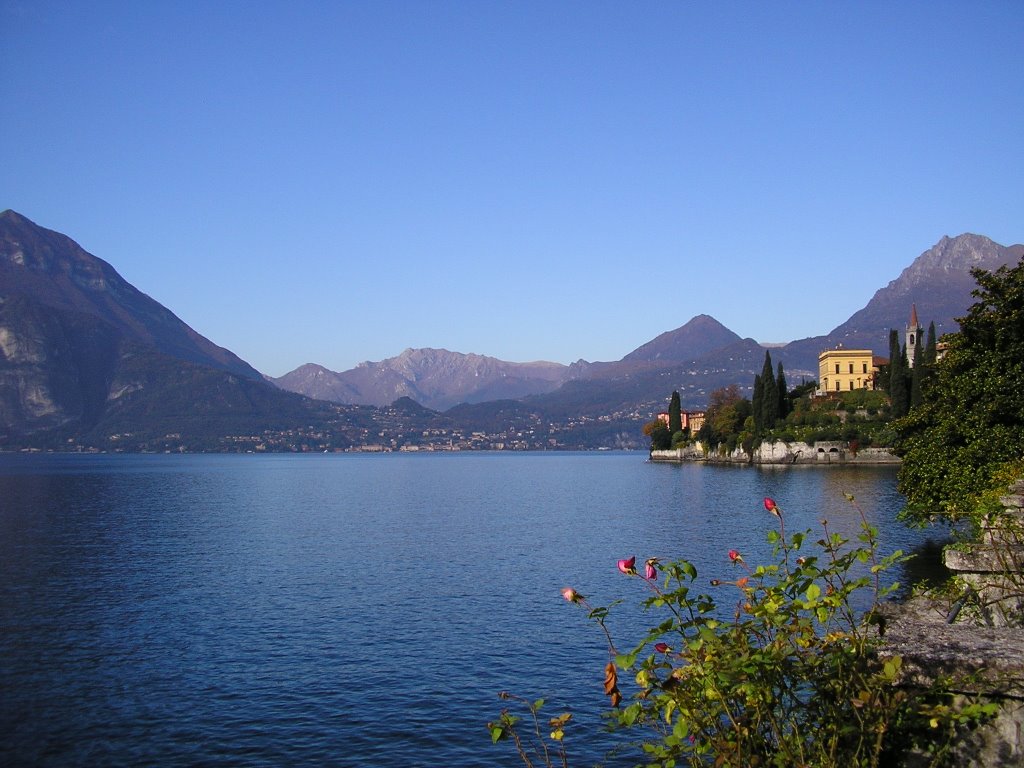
(844, 370)
(692, 420)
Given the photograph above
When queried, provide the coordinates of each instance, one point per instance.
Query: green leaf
(625, 660)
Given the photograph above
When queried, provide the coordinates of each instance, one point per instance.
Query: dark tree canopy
(970, 424)
(675, 417)
(766, 403)
(780, 384)
(899, 382)
(726, 413)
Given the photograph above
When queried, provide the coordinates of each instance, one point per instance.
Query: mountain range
(85, 354)
(88, 360)
(435, 378)
(695, 358)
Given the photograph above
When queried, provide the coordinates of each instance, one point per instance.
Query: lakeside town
(844, 416)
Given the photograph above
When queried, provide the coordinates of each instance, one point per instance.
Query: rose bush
(776, 667)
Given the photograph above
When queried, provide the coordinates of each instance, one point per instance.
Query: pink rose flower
(735, 556)
(661, 647)
(571, 595)
(771, 506)
(627, 567)
(650, 572)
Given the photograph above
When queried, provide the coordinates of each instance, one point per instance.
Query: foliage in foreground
(774, 668)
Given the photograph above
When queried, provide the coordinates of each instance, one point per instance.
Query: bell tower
(913, 335)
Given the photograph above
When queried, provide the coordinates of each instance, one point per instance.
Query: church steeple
(913, 335)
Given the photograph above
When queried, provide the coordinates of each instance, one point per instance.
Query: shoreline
(821, 453)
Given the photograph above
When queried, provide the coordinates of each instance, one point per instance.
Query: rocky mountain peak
(436, 378)
(936, 286)
(949, 255)
(25, 245)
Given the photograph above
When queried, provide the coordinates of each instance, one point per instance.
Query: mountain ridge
(938, 281)
(436, 378)
(83, 352)
(698, 336)
(58, 273)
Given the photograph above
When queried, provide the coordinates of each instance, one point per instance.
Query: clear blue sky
(333, 182)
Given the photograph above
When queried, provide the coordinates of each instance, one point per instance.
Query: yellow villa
(842, 370)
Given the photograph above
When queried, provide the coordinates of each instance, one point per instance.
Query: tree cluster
(771, 399)
(671, 436)
(725, 417)
(903, 382)
(969, 426)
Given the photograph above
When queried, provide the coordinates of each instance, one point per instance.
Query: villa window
(837, 369)
(851, 368)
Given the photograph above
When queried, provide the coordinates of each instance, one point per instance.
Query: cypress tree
(757, 404)
(931, 348)
(769, 394)
(894, 353)
(675, 418)
(928, 359)
(780, 383)
(899, 393)
(916, 374)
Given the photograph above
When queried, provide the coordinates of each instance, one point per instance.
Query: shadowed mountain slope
(702, 334)
(84, 354)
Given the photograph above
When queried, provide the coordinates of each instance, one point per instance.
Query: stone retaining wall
(779, 452)
(980, 640)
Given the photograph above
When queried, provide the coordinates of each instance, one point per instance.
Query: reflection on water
(925, 568)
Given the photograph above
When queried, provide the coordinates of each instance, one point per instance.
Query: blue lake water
(346, 609)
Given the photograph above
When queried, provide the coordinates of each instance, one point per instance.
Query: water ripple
(343, 610)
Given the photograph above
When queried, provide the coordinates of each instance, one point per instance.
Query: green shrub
(776, 667)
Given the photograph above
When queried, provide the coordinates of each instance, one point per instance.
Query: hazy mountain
(440, 379)
(56, 273)
(435, 378)
(695, 358)
(86, 356)
(634, 389)
(938, 281)
(318, 382)
(702, 334)
(84, 352)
